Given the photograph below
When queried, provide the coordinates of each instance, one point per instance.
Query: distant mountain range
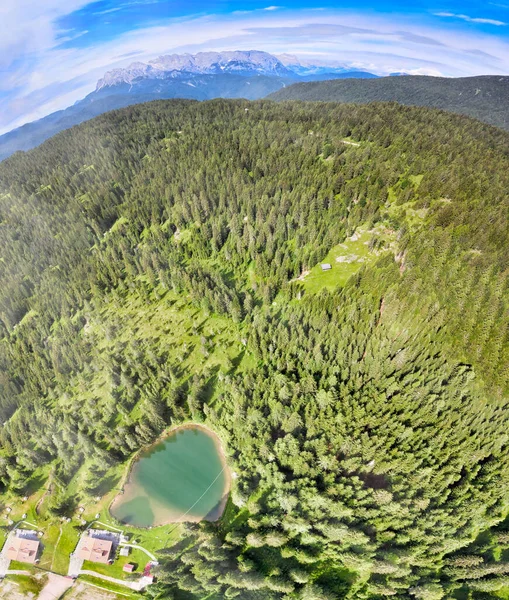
(236, 74)
(485, 98)
(253, 62)
(255, 74)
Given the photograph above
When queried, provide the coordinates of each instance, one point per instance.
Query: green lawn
(16, 565)
(66, 544)
(137, 557)
(347, 259)
(49, 541)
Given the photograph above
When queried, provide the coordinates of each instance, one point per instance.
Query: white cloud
(272, 8)
(424, 71)
(40, 77)
(468, 19)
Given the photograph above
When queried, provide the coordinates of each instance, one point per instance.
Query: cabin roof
(23, 550)
(96, 550)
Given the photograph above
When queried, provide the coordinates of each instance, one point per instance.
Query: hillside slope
(190, 86)
(162, 263)
(485, 98)
(203, 76)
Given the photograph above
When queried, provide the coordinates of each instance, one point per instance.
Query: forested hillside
(161, 263)
(205, 76)
(484, 98)
(190, 86)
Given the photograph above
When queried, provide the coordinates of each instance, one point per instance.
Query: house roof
(326, 266)
(23, 550)
(96, 550)
(128, 568)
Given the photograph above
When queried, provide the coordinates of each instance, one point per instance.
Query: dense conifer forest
(483, 97)
(154, 269)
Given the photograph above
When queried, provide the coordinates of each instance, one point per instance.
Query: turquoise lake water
(181, 478)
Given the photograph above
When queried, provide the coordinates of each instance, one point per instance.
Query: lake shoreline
(217, 512)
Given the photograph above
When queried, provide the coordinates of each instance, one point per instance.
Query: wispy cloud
(40, 74)
(109, 10)
(74, 36)
(272, 8)
(480, 20)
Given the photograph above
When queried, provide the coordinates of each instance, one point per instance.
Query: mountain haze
(233, 74)
(485, 98)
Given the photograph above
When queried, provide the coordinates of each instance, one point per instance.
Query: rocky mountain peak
(240, 62)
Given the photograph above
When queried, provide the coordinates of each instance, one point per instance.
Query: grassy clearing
(348, 258)
(15, 507)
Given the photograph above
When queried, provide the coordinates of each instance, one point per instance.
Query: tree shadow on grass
(105, 486)
(237, 360)
(34, 484)
(178, 548)
(207, 391)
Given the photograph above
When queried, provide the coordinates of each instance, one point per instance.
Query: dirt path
(48, 491)
(133, 585)
(87, 591)
(5, 561)
(301, 277)
(55, 588)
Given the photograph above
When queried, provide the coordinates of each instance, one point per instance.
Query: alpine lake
(182, 477)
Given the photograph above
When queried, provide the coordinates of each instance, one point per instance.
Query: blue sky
(52, 52)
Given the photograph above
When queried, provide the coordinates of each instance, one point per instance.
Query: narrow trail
(49, 491)
(137, 586)
(104, 525)
(56, 547)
